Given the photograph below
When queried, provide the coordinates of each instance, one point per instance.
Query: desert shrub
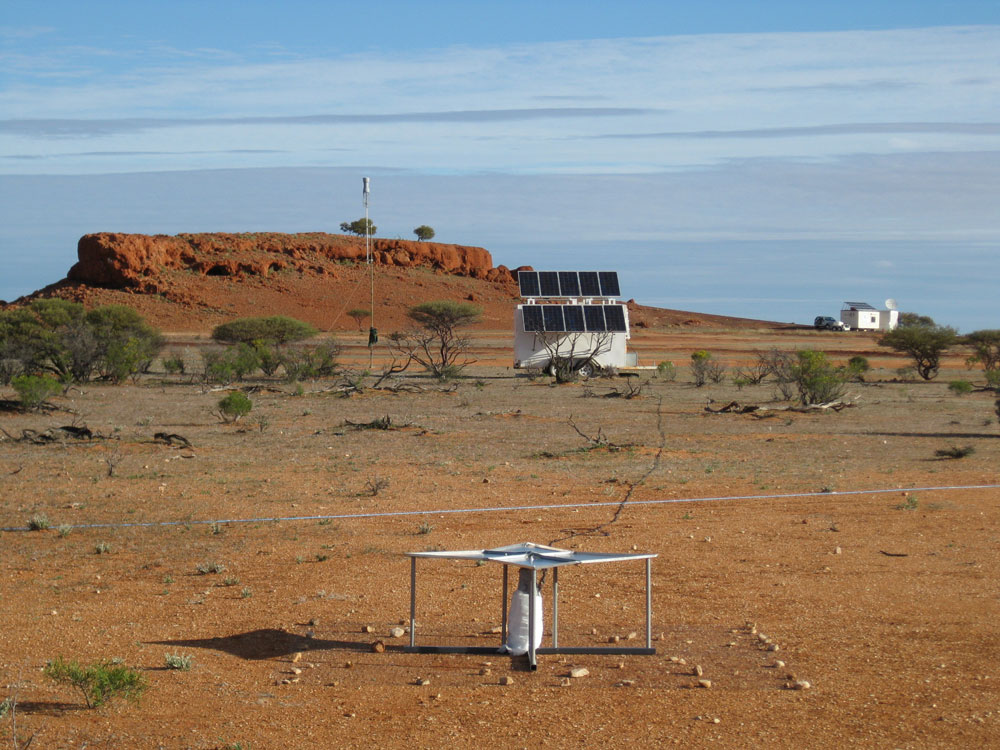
(230, 363)
(207, 568)
(755, 373)
(817, 381)
(437, 344)
(667, 371)
(924, 343)
(277, 329)
(857, 366)
(993, 379)
(307, 362)
(234, 405)
(98, 682)
(960, 387)
(35, 390)
(704, 368)
(126, 343)
(122, 359)
(174, 364)
(955, 451)
(59, 337)
(985, 348)
(38, 523)
(181, 662)
(269, 357)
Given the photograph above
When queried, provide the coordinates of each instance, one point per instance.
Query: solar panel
(590, 284)
(553, 315)
(859, 305)
(615, 317)
(609, 284)
(528, 281)
(573, 318)
(568, 283)
(549, 282)
(532, 315)
(594, 316)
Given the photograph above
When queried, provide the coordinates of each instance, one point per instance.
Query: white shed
(860, 316)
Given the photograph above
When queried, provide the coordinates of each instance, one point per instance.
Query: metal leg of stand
(649, 607)
(555, 608)
(532, 659)
(413, 601)
(503, 609)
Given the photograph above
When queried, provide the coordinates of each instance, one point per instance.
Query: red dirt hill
(192, 282)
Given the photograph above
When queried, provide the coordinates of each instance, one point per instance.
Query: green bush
(924, 343)
(277, 329)
(704, 368)
(61, 338)
(308, 362)
(98, 682)
(234, 406)
(230, 363)
(857, 366)
(960, 387)
(174, 364)
(985, 348)
(35, 390)
(667, 371)
(817, 380)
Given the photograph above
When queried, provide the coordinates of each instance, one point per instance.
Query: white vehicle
(570, 321)
(830, 324)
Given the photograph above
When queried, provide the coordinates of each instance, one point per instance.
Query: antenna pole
(372, 335)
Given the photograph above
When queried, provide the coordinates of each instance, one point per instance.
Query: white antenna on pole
(364, 194)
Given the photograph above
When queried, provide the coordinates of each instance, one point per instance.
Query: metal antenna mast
(372, 331)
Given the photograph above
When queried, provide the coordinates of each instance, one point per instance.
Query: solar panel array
(574, 318)
(568, 283)
(859, 306)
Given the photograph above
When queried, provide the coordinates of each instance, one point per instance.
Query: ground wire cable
(509, 508)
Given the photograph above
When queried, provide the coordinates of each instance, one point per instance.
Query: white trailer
(539, 345)
(861, 316)
(571, 321)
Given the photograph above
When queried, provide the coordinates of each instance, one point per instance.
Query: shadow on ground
(268, 643)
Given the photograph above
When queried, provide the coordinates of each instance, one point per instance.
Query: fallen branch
(380, 423)
(894, 554)
(172, 438)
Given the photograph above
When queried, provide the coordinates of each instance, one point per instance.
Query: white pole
(364, 194)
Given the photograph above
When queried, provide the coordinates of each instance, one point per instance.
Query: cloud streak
(63, 128)
(850, 128)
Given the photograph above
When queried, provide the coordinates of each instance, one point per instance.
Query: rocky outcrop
(137, 261)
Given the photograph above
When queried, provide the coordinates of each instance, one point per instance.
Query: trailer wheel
(585, 370)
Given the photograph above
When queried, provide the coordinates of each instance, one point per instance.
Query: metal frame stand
(533, 652)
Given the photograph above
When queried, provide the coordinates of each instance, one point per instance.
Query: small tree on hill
(924, 343)
(424, 232)
(360, 227)
(359, 314)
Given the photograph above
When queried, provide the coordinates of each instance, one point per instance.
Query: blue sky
(765, 159)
